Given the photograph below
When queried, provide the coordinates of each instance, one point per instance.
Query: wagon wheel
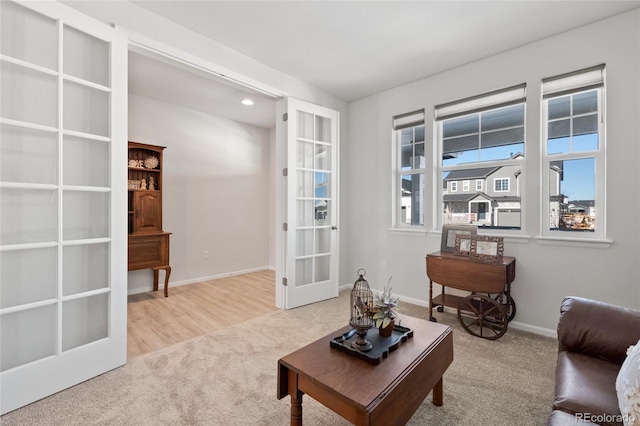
(508, 304)
(482, 316)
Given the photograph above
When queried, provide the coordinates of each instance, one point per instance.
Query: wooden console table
(489, 283)
(151, 251)
(386, 394)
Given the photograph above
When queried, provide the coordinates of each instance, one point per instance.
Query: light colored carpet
(229, 378)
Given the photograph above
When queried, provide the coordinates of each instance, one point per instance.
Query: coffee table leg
(296, 399)
(437, 393)
(296, 409)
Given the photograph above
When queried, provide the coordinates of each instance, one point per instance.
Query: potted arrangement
(385, 311)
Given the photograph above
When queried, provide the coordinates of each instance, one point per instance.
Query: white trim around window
(574, 156)
(502, 184)
(409, 160)
(479, 138)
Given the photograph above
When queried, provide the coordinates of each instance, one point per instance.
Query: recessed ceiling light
(247, 102)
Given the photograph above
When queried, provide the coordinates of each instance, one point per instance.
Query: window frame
(501, 179)
(511, 96)
(409, 120)
(599, 156)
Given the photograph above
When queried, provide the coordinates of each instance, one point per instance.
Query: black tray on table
(381, 346)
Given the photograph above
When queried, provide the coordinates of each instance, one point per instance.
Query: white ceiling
(353, 49)
(166, 81)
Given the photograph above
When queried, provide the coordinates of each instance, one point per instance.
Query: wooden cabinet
(147, 211)
(148, 242)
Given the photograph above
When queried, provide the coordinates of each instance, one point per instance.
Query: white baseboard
(344, 287)
(197, 280)
(534, 329)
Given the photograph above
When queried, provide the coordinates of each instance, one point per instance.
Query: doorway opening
(219, 180)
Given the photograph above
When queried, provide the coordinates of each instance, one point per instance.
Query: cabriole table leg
(167, 272)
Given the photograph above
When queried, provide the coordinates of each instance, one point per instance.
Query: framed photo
(449, 232)
(463, 244)
(487, 249)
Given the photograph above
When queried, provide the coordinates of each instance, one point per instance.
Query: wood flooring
(155, 321)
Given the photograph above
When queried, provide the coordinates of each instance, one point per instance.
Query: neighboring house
(556, 199)
(582, 206)
(490, 196)
(487, 196)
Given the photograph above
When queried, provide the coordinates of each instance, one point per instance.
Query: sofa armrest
(597, 328)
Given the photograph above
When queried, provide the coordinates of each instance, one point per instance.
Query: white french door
(63, 124)
(311, 194)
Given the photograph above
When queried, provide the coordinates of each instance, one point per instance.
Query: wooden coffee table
(365, 394)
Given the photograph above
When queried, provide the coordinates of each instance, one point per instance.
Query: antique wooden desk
(365, 394)
(490, 284)
(151, 251)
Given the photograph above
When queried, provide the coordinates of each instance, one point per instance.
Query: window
(410, 165)
(454, 186)
(573, 166)
(482, 139)
(501, 184)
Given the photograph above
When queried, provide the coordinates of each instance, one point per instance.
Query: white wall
(545, 272)
(216, 193)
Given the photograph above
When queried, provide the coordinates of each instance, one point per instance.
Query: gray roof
(463, 197)
(507, 199)
(583, 203)
(480, 173)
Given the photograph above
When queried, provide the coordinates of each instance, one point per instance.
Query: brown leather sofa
(593, 338)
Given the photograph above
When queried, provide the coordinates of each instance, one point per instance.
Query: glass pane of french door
(313, 197)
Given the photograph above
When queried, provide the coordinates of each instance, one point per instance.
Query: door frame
(145, 45)
(148, 46)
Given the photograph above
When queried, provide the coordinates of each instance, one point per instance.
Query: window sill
(574, 242)
(508, 237)
(408, 231)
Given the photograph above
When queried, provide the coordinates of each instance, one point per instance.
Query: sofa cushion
(587, 385)
(628, 386)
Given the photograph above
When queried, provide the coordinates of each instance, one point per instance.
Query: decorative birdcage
(361, 311)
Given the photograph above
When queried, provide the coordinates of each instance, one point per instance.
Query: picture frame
(449, 233)
(463, 244)
(487, 249)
